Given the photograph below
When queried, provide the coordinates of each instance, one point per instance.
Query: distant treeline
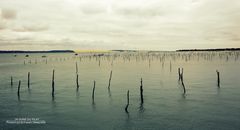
(219, 49)
(51, 51)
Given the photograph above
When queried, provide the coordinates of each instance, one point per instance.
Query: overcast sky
(119, 24)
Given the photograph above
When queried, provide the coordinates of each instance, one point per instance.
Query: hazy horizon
(165, 25)
(105, 50)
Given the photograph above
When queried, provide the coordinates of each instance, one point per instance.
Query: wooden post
(19, 85)
(126, 108)
(182, 75)
(218, 78)
(28, 79)
(53, 83)
(77, 76)
(93, 91)
(77, 82)
(184, 89)
(181, 79)
(110, 78)
(141, 92)
(179, 74)
(76, 68)
(11, 81)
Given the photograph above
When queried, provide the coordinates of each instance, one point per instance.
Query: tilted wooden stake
(182, 75)
(19, 85)
(184, 89)
(126, 108)
(93, 91)
(181, 79)
(110, 78)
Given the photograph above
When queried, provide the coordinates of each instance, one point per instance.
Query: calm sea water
(203, 107)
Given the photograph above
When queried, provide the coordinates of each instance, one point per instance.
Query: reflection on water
(110, 96)
(53, 103)
(19, 99)
(93, 105)
(77, 94)
(109, 93)
(141, 108)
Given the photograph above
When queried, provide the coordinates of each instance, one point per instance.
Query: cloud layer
(114, 24)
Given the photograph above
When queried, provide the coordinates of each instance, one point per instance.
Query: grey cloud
(8, 14)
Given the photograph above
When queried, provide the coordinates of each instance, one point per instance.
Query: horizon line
(106, 50)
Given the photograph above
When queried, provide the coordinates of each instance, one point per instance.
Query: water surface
(204, 106)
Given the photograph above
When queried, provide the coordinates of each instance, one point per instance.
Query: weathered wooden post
(19, 85)
(182, 75)
(28, 79)
(77, 76)
(11, 81)
(77, 82)
(76, 68)
(184, 89)
(93, 91)
(126, 108)
(110, 78)
(179, 74)
(141, 92)
(53, 83)
(218, 78)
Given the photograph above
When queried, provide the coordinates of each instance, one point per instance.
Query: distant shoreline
(218, 49)
(71, 51)
(50, 51)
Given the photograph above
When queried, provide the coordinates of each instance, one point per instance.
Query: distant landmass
(125, 50)
(50, 51)
(71, 51)
(218, 49)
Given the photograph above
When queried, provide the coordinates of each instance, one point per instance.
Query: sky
(119, 24)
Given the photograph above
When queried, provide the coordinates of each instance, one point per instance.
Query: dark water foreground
(204, 106)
